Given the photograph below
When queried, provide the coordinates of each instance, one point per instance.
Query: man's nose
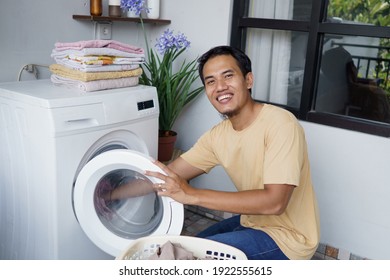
(221, 84)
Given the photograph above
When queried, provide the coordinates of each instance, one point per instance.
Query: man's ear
(249, 80)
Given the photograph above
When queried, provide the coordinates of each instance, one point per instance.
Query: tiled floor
(195, 223)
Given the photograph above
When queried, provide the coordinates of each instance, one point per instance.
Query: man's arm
(272, 200)
(184, 169)
(140, 187)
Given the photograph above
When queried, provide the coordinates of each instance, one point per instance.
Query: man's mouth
(224, 98)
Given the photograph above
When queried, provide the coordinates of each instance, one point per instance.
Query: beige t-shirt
(272, 150)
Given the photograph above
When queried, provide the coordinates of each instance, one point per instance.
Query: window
(279, 64)
(325, 61)
(353, 78)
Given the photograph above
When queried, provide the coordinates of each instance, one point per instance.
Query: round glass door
(127, 205)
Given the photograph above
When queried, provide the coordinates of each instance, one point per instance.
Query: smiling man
(263, 149)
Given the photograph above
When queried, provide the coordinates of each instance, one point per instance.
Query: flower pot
(131, 14)
(166, 145)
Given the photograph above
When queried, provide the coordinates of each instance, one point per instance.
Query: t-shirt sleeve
(202, 155)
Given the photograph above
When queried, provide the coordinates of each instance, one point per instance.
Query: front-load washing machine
(65, 157)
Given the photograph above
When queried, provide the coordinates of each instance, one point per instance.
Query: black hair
(243, 61)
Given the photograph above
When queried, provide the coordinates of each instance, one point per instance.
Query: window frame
(316, 28)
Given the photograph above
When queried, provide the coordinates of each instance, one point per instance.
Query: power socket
(30, 68)
(104, 30)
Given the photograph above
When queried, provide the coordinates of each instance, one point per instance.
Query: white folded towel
(98, 44)
(97, 68)
(94, 51)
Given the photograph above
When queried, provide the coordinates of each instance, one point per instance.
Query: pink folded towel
(98, 44)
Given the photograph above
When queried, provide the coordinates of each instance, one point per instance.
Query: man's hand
(173, 185)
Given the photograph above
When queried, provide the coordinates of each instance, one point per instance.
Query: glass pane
(354, 77)
(127, 204)
(278, 64)
(373, 12)
(281, 9)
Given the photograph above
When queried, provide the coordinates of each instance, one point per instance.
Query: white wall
(351, 174)
(351, 171)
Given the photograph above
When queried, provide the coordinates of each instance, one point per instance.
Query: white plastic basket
(143, 248)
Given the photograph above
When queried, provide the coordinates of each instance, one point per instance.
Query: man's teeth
(222, 97)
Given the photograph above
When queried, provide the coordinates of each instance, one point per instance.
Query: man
(263, 150)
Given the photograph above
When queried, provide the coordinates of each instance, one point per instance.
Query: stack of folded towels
(96, 64)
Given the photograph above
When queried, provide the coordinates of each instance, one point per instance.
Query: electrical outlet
(104, 30)
(30, 68)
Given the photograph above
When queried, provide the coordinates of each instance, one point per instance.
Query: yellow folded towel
(74, 74)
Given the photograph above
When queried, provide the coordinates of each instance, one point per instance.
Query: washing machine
(64, 155)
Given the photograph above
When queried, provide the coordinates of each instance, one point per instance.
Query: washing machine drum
(115, 203)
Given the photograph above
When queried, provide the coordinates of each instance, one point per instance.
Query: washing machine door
(115, 203)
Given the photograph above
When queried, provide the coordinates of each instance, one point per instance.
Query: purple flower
(137, 6)
(168, 41)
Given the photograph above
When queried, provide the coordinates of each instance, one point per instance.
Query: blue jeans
(256, 244)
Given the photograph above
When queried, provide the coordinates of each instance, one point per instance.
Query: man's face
(225, 85)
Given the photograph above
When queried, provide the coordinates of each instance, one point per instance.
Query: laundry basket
(143, 248)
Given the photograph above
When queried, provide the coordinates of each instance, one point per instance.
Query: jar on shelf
(96, 8)
(114, 8)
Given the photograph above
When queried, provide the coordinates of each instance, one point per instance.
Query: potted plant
(174, 87)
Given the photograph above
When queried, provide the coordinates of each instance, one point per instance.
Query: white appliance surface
(48, 134)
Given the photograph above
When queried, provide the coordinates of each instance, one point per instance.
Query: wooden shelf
(104, 18)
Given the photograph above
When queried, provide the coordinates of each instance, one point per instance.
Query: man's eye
(227, 76)
(210, 82)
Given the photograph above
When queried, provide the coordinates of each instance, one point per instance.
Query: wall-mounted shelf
(104, 18)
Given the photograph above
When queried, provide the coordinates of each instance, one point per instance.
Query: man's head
(241, 58)
(227, 77)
